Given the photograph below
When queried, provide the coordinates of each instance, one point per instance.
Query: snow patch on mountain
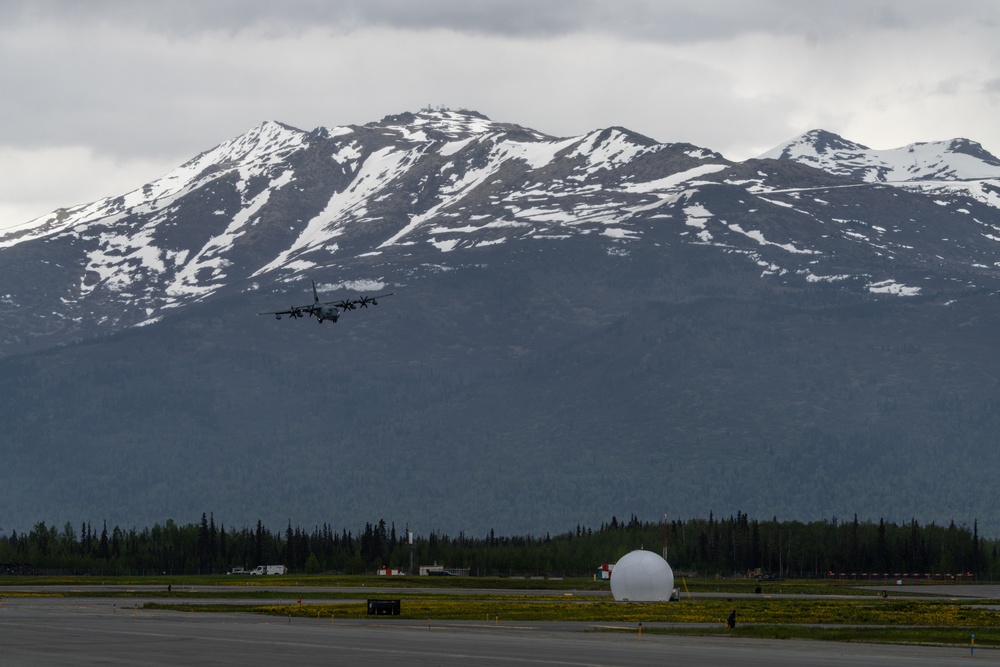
(349, 153)
(374, 175)
(120, 259)
(892, 287)
(454, 125)
(619, 233)
(267, 145)
(360, 285)
(537, 153)
(666, 186)
(697, 216)
(453, 147)
(608, 149)
(191, 280)
(758, 236)
(986, 191)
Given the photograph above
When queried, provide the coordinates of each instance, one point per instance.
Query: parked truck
(269, 569)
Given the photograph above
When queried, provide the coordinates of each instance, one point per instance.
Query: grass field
(786, 610)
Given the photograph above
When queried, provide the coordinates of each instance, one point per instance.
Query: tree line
(733, 546)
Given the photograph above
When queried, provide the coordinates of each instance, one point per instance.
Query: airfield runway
(116, 631)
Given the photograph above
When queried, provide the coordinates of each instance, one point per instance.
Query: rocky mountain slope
(581, 327)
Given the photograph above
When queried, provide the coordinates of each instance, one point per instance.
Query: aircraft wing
(363, 301)
(294, 311)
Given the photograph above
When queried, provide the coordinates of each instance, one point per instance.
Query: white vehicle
(269, 569)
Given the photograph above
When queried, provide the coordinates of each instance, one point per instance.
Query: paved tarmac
(116, 631)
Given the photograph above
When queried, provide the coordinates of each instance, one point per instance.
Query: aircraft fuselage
(327, 313)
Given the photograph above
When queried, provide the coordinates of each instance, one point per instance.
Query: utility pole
(665, 533)
(409, 535)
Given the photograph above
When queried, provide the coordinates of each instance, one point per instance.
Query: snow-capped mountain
(581, 326)
(392, 197)
(951, 172)
(954, 160)
(277, 201)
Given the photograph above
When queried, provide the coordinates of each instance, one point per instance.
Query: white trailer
(269, 569)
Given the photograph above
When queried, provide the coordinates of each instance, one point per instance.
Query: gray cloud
(992, 86)
(121, 91)
(656, 20)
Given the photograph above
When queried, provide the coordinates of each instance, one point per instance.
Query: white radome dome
(642, 576)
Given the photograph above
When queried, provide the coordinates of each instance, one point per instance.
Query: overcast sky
(98, 97)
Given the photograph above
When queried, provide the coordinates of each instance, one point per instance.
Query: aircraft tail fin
(315, 294)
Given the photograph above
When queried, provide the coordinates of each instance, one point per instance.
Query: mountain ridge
(922, 161)
(610, 176)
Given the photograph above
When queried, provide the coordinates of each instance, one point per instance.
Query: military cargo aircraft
(326, 310)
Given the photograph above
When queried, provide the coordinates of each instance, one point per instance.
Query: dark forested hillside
(570, 391)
